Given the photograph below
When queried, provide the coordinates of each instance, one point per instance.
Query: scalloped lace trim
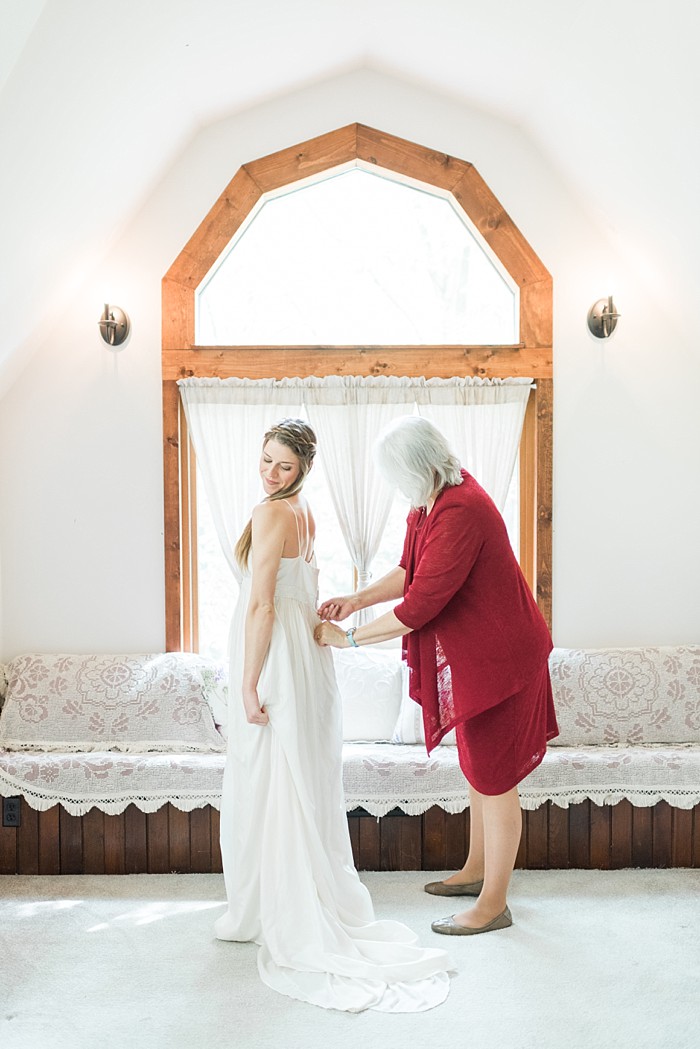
(187, 801)
(377, 778)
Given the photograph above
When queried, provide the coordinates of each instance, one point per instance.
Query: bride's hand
(338, 607)
(254, 712)
(328, 634)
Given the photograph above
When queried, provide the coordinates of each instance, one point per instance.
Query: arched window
(355, 254)
(352, 258)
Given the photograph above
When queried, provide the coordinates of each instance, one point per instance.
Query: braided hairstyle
(298, 436)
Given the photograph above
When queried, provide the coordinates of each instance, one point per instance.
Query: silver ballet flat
(438, 888)
(449, 927)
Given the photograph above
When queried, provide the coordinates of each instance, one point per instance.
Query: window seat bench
(620, 786)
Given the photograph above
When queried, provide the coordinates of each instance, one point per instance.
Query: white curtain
(347, 413)
(482, 420)
(226, 419)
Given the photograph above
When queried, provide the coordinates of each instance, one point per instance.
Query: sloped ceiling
(97, 98)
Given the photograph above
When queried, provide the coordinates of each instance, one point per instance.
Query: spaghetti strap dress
(291, 884)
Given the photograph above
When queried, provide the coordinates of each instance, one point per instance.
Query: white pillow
(409, 724)
(369, 682)
(132, 703)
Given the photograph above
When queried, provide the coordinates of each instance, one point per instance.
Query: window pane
(357, 259)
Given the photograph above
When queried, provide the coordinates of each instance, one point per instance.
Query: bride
(290, 880)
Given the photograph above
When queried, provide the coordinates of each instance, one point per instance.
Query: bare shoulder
(269, 515)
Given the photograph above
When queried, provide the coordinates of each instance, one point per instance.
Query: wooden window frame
(182, 358)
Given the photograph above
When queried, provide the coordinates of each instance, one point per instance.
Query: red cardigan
(478, 636)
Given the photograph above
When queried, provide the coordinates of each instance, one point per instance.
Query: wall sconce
(114, 325)
(602, 318)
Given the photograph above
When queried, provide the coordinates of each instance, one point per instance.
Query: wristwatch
(350, 635)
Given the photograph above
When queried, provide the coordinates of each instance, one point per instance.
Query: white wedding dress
(290, 879)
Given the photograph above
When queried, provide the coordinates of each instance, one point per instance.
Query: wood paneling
(662, 848)
(71, 833)
(585, 835)
(545, 452)
(536, 315)
(558, 856)
(408, 159)
(28, 840)
(682, 838)
(368, 856)
(580, 835)
(158, 841)
(390, 843)
(642, 838)
(434, 844)
(277, 362)
(537, 854)
(305, 160)
(114, 845)
(171, 498)
(50, 841)
(179, 836)
(621, 835)
(507, 243)
(601, 853)
(9, 860)
(528, 493)
(93, 838)
(135, 841)
(178, 315)
(456, 838)
(200, 841)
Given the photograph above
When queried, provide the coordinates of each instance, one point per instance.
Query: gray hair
(413, 455)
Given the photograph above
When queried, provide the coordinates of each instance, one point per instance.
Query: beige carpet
(601, 960)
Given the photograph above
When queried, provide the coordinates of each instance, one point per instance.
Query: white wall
(80, 429)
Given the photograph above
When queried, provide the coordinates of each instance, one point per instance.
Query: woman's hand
(255, 713)
(329, 634)
(338, 607)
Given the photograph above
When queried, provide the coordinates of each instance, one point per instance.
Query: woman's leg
(501, 821)
(473, 869)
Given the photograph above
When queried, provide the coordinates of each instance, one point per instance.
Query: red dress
(479, 645)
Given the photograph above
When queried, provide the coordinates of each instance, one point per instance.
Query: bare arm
(266, 552)
(382, 629)
(388, 588)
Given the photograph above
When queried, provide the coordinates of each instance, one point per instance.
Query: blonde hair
(298, 436)
(413, 455)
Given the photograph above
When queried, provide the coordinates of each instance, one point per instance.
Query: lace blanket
(378, 777)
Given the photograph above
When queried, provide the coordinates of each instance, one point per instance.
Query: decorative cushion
(369, 682)
(626, 695)
(409, 724)
(134, 703)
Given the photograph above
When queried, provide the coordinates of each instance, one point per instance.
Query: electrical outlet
(10, 812)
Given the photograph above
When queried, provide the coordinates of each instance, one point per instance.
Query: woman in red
(477, 647)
